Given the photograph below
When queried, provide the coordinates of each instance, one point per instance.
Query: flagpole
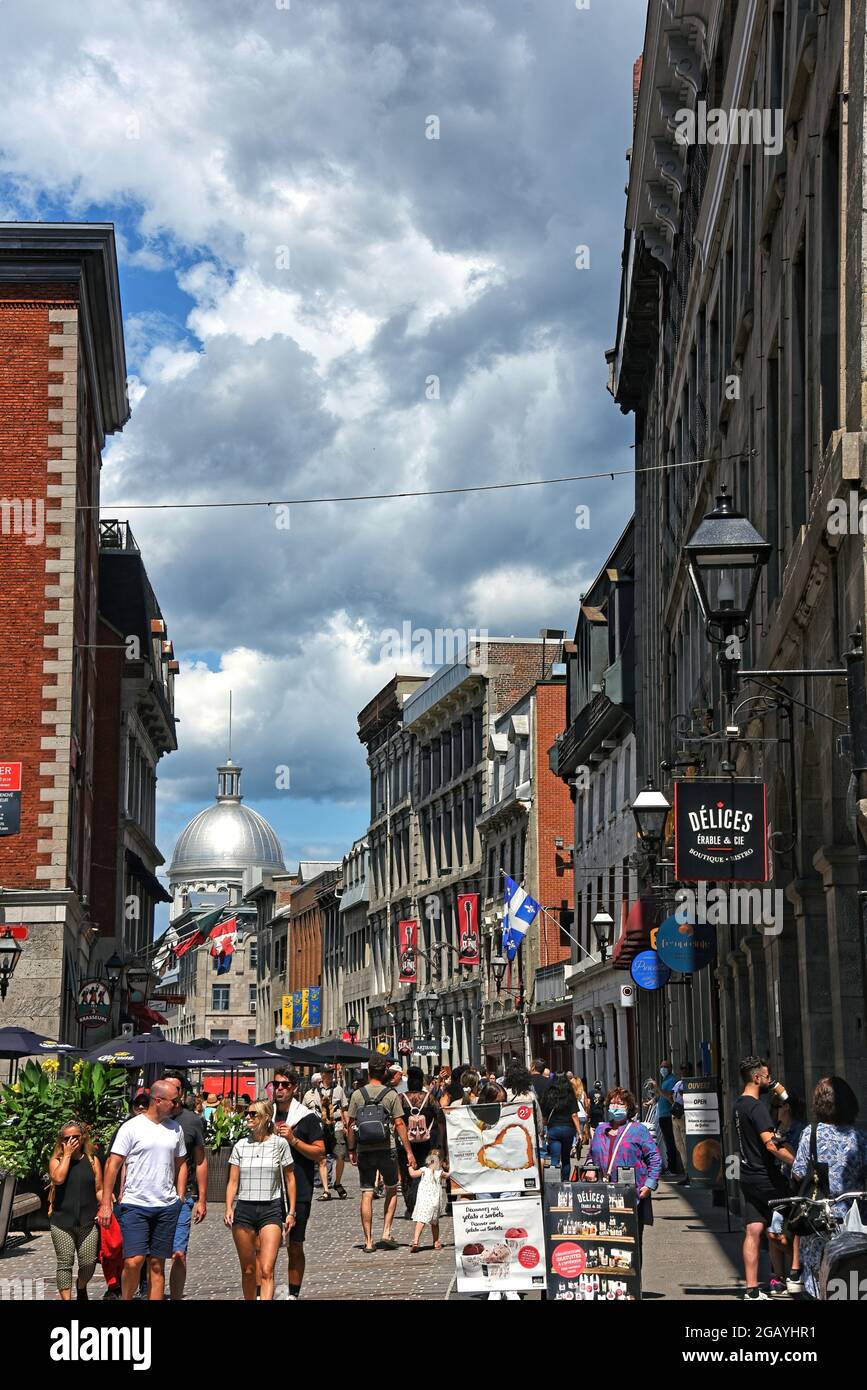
(559, 927)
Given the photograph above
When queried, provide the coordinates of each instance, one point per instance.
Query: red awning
(635, 937)
(147, 1015)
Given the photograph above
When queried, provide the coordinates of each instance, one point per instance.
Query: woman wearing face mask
(622, 1142)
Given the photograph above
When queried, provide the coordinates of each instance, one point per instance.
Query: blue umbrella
(21, 1042)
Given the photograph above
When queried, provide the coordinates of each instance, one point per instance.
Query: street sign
(10, 798)
(168, 999)
(425, 1047)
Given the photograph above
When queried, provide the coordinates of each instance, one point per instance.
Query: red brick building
(526, 831)
(305, 933)
(62, 390)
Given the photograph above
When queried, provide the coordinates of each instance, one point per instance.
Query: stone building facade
(312, 898)
(740, 349)
(596, 756)
(350, 989)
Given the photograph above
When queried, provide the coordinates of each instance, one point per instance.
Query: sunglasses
(283, 1085)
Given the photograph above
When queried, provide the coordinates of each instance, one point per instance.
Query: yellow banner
(305, 1008)
(286, 1005)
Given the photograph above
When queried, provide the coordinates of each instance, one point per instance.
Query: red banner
(406, 956)
(468, 928)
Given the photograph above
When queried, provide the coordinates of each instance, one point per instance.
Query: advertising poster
(593, 1252)
(720, 831)
(408, 941)
(702, 1131)
(499, 1245)
(468, 928)
(10, 798)
(492, 1149)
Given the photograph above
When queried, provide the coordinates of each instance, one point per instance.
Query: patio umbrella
(240, 1055)
(289, 1056)
(21, 1042)
(142, 1050)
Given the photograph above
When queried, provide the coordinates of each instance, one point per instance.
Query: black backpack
(372, 1122)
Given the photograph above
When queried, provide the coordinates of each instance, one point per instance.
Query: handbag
(803, 1219)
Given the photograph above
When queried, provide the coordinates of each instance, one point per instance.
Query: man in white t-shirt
(152, 1147)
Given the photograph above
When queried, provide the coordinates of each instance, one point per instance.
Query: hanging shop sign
(685, 946)
(93, 1004)
(593, 1250)
(468, 928)
(703, 1131)
(558, 1032)
(492, 1149)
(426, 1047)
(720, 831)
(648, 971)
(10, 798)
(499, 1245)
(408, 938)
(404, 1047)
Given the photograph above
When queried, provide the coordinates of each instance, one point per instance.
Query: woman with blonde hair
(260, 1199)
(577, 1084)
(73, 1202)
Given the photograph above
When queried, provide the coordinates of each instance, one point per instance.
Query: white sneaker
(756, 1296)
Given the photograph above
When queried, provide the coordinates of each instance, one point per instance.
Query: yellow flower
(51, 1064)
(77, 1067)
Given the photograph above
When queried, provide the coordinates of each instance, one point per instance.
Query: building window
(219, 1035)
(252, 997)
(251, 1036)
(220, 999)
(254, 952)
(612, 804)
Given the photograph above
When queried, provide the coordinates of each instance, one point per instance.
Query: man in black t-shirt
(302, 1130)
(760, 1179)
(539, 1081)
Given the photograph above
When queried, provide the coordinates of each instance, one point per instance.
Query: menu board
(499, 1245)
(593, 1249)
(492, 1149)
(702, 1131)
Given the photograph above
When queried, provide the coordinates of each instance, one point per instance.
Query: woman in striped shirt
(260, 1199)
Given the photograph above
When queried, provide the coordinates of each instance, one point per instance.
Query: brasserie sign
(720, 831)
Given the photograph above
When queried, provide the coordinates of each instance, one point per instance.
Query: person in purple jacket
(622, 1142)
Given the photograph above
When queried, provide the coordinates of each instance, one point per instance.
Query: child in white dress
(430, 1199)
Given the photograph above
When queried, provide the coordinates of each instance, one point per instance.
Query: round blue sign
(685, 946)
(648, 971)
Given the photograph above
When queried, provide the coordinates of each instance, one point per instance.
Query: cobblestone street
(337, 1268)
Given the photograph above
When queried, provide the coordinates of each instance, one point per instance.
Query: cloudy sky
(320, 299)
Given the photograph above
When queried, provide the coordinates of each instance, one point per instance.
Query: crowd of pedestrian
(132, 1209)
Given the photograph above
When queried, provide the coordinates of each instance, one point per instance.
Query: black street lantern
(10, 954)
(650, 809)
(725, 558)
(352, 1028)
(498, 970)
(113, 969)
(602, 924)
(430, 1003)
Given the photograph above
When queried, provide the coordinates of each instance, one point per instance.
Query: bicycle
(843, 1266)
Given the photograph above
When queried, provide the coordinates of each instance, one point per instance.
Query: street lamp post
(724, 558)
(352, 1028)
(10, 954)
(602, 924)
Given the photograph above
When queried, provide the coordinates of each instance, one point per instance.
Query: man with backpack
(375, 1121)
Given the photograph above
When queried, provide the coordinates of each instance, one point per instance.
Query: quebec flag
(521, 913)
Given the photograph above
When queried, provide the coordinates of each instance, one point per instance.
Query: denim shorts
(182, 1230)
(148, 1230)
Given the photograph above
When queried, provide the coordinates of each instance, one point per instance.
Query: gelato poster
(702, 1131)
(492, 1149)
(499, 1245)
(593, 1252)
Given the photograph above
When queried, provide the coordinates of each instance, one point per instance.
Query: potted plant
(33, 1109)
(221, 1133)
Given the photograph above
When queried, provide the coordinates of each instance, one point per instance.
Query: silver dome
(226, 835)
